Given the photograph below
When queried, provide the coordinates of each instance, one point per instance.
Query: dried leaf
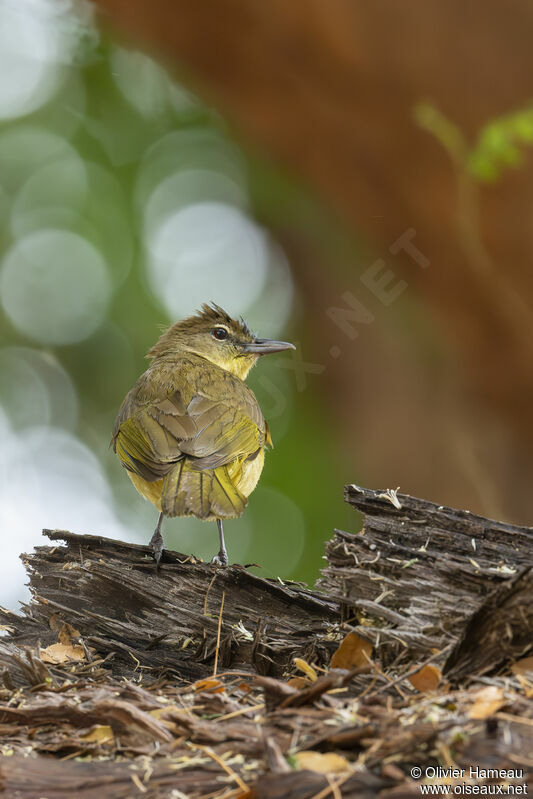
(523, 667)
(62, 653)
(308, 670)
(427, 679)
(352, 653)
(101, 734)
(328, 763)
(55, 622)
(67, 633)
(487, 702)
(210, 684)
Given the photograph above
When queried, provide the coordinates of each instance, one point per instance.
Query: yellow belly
(244, 475)
(150, 491)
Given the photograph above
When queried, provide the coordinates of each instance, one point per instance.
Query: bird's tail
(206, 494)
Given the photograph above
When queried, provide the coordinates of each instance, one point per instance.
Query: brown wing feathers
(190, 444)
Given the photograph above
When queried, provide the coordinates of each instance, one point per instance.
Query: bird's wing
(148, 441)
(151, 436)
(227, 429)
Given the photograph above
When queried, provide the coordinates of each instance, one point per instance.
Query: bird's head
(215, 336)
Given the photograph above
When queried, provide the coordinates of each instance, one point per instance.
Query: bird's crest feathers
(209, 315)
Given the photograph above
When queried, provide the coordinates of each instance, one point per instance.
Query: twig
(234, 776)
(240, 712)
(207, 593)
(332, 788)
(218, 633)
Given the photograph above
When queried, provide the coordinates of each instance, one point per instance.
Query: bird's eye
(220, 333)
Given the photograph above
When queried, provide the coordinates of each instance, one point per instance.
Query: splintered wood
(418, 571)
(415, 655)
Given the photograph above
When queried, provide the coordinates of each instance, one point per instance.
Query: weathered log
(35, 778)
(500, 631)
(169, 619)
(418, 571)
(120, 693)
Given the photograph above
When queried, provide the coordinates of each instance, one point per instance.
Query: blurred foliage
(91, 165)
(498, 146)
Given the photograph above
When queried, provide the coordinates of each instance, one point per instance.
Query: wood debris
(201, 683)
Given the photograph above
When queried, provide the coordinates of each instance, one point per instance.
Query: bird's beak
(264, 346)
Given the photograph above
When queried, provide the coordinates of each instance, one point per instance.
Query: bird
(190, 433)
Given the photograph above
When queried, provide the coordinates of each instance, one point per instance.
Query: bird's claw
(221, 559)
(158, 545)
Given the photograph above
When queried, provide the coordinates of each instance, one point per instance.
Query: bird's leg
(156, 541)
(222, 558)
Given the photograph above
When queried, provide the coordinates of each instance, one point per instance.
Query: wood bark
(168, 619)
(419, 571)
(139, 683)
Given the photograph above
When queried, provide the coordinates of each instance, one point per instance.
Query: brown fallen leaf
(210, 684)
(62, 653)
(67, 649)
(487, 702)
(523, 667)
(427, 679)
(353, 652)
(328, 763)
(67, 633)
(55, 622)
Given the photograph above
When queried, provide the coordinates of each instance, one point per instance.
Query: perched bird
(190, 433)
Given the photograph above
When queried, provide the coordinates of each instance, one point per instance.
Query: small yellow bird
(190, 433)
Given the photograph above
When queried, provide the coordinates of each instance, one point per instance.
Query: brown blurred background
(436, 394)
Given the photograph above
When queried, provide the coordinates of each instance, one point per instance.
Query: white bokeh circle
(192, 150)
(30, 49)
(145, 85)
(35, 389)
(207, 251)
(48, 478)
(24, 148)
(55, 286)
(190, 187)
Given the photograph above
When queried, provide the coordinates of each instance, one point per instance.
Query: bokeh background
(353, 176)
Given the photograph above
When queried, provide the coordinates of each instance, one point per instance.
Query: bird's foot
(221, 559)
(158, 545)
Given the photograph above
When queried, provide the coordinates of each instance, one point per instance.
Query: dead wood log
(35, 778)
(307, 784)
(418, 571)
(42, 777)
(412, 580)
(147, 620)
(126, 705)
(499, 631)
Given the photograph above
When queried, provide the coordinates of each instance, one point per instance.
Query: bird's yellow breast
(245, 474)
